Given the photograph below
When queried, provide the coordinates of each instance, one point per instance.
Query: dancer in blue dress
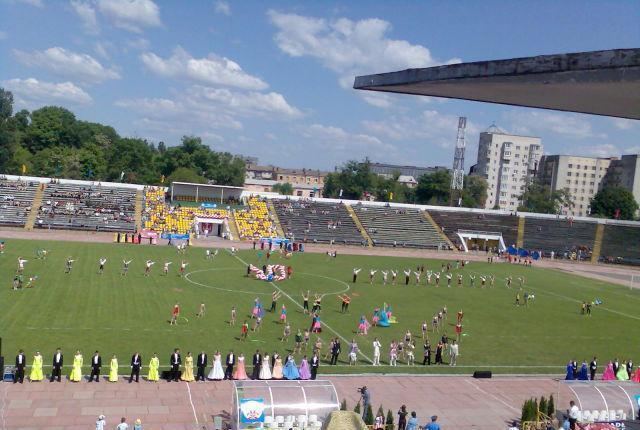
(569, 376)
(584, 372)
(290, 369)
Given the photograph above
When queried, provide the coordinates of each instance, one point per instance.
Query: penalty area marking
(284, 293)
(228, 290)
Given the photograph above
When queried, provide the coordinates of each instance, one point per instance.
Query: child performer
(283, 315)
(165, 268)
(183, 265)
(201, 311)
(101, 268)
(175, 313)
(125, 267)
(147, 267)
(232, 320)
(305, 303)
(68, 265)
(394, 275)
(371, 275)
(407, 276)
(355, 274)
(385, 274)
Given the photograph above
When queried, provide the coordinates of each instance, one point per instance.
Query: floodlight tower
(457, 174)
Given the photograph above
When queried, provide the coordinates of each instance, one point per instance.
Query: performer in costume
(36, 368)
(187, 374)
(175, 313)
(407, 277)
(584, 372)
(265, 370)
(68, 265)
(257, 362)
(58, 360)
(355, 274)
(113, 369)
(608, 374)
(277, 367)
(216, 373)
(201, 364)
(304, 370)
(102, 262)
(593, 367)
(305, 303)
(136, 364)
(165, 268)
(76, 370)
(96, 364)
(154, 365)
(283, 314)
(240, 372)
(315, 364)
(291, 369)
(21, 363)
(622, 374)
(175, 360)
(636, 375)
(125, 267)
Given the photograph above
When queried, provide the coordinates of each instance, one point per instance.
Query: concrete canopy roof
(598, 82)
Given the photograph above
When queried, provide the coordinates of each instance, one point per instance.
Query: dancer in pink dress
(636, 376)
(240, 373)
(608, 374)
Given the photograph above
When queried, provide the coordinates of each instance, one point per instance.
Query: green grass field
(115, 314)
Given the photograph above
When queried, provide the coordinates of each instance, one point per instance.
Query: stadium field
(123, 314)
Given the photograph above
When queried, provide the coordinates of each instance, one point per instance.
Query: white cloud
(222, 7)
(603, 150)
(103, 48)
(131, 15)
(87, 14)
(251, 103)
(212, 70)
(68, 64)
(348, 47)
(339, 144)
(624, 124)
(33, 93)
(35, 3)
(534, 122)
(139, 44)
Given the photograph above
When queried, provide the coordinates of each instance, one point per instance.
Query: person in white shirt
(123, 424)
(376, 351)
(453, 353)
(165, 268)
(101, 423)
(101, 268)
(574, 412)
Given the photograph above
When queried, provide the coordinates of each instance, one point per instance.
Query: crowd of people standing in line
(614, 370)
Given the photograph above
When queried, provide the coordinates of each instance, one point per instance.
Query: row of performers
(612, 372)
(233, 367)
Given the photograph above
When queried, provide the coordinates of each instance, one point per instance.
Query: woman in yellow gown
(36, 368)
(113, 369)
(76, 370)
(154, 365)
(187, 375)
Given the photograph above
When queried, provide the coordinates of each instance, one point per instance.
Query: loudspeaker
(482, 374)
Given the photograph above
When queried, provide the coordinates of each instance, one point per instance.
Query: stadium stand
(87, 207)
(16, 199)
(317, 222)
(400, 226)
(621, 244)
(562, 236)
(452, 221)
(255, 222)
(160, 217)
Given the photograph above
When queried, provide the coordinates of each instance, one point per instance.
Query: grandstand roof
(597, 82)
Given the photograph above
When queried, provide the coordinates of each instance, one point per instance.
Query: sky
(273, 79)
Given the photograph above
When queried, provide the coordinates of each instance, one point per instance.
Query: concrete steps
(597, 243)
(138, 209)
(443, 236)
(35, 207)
(361, 228)
(275, 218)
(520, 239)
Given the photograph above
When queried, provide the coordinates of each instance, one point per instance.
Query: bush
(357, 408)
(369, 418)
(551, 407)
(343, 405)
(389, 424)
(542, 406)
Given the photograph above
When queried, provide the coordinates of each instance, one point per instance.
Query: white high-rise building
(508, 162)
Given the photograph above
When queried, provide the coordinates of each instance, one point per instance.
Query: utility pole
(457, 174)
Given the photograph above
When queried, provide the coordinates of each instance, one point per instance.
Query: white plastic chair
(313, 418)
(604, 416)
(280, 420)
(586, 415)
(302, 419)
(268, 419)
(620, 413)
(595, 415)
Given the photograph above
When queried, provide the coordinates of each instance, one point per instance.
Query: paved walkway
(460, 402)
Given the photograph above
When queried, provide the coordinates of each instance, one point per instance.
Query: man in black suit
(593, 366)
(335, 351)
(616, 366)
(136, 364)
(202, 365)
(21, 362)
(96, 364)
(230, 361)
(175, 362)
(257, 362)
(58, 361)
(315, 363)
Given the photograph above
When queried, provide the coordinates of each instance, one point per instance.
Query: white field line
(193, 408)
(492, 395)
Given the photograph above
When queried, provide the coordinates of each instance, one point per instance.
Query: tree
(389, 424)
(354, 179)
(343, 405)
(614, 202)
(6, 105)
(368, 415)
(474, 193)
(539, 198)
(542, 405)
(357, 408)
(285, 189)
(183, 174)
(434, 188)
(51, 126)
(551, 407)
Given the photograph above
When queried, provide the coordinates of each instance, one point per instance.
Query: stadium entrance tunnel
(284, 403)
(481, 238)
(605, 401)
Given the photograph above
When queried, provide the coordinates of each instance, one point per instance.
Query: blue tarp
(174, 236)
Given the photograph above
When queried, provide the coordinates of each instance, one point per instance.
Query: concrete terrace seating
(16, 198)
(407, 227)
(558, 235)
(452, 221)
(317, 222)
(621, 241)
(83, 207)
(255, 221)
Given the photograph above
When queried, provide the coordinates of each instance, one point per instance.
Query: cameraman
(366, 400)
